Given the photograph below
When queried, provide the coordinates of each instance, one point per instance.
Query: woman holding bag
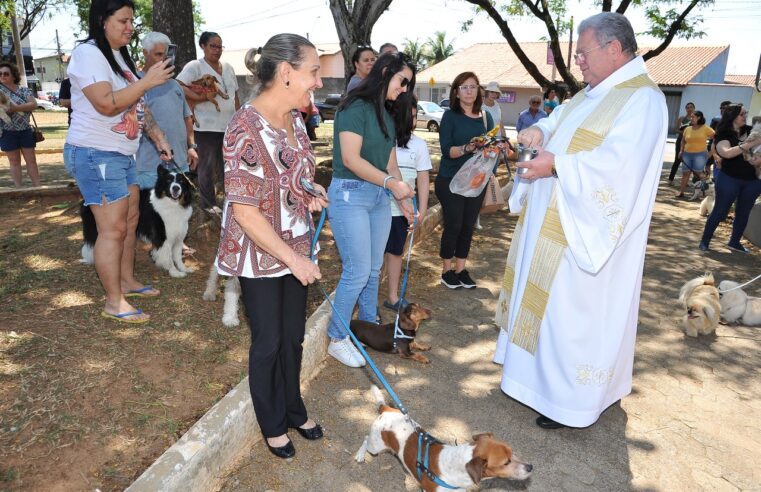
(17, 135)
(460, 124)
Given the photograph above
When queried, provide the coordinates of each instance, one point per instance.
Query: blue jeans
(100, 173)
(360, 218)
(729, 189)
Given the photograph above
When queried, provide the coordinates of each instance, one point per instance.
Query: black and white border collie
(165, 212)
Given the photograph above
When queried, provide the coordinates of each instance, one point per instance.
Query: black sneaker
(450, 279)
(465, 279)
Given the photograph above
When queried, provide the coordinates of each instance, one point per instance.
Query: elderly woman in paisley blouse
(267, 228)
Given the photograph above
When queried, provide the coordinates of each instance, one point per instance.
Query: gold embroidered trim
(552, 243)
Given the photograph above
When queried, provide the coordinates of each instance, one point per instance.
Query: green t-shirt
(359, 117)
(457, 129)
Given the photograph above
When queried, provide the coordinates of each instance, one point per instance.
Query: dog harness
(421, 464)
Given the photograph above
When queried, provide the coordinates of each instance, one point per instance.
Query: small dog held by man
(700, 299)
(460, 466)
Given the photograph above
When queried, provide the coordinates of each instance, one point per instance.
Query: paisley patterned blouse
(264, 171)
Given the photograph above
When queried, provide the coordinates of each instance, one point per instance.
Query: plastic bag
(473, 176)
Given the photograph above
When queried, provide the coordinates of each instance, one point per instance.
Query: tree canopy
(667, 20)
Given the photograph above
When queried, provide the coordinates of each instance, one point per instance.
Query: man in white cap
(491, 105)
(570, 295)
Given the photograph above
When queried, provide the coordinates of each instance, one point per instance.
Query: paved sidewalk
(692, 422)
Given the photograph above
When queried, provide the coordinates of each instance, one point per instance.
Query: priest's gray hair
(153, 38)
(610, 26)
(263, 62)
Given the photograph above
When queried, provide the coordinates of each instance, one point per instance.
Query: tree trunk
(175, 19)
(355, 27)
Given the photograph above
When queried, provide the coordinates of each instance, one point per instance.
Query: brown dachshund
(381, 337)
(208, 85)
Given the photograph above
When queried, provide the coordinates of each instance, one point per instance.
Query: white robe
(584, 359)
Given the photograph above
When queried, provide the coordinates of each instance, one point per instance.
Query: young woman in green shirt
(364, 170)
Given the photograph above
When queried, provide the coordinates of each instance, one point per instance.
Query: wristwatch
(554, 171)
(192, 146)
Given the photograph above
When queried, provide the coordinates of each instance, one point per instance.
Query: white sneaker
(478, 223)
(346, 353)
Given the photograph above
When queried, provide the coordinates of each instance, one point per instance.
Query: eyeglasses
(535, 103)
(468, 87)
(5, 74)
(582, 57)
(405, 81)
(216, 46)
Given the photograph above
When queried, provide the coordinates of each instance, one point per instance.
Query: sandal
(128, 317)
(145, 291)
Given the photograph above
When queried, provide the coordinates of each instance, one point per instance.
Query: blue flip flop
(122, 317)
(141, 292)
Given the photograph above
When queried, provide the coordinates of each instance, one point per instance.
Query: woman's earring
(287, 84)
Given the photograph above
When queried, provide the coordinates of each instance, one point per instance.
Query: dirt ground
(691, 422)
(90, 403)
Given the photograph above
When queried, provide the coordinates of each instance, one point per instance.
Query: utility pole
(19, 55)
(60, 56)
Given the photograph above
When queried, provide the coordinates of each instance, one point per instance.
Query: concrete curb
(199, 460)
(229, 430)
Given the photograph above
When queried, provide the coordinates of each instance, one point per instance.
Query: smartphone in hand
(171, 54)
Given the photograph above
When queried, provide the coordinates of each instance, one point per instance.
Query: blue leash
(402, 408)
(398, 333)
(423, 438)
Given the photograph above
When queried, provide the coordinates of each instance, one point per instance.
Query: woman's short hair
(610, 26)
(374, 87)
(263, 62)
(100, 11)
(207, 36)
(728, 118)
(701, 118)
(358, 53)
(153, 38)
(14, 71)
(454, 100)
(689, 104)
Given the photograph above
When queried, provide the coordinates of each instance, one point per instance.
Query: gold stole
(552, 243)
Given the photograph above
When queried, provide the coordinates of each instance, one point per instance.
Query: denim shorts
(100, 173)
(694, 161)
(17, 139)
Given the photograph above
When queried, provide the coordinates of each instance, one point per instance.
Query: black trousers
(211, 166)
(460, 214)
(677, 160)
(276, 309)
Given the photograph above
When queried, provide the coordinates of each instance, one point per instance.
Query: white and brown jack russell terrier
(460, 466)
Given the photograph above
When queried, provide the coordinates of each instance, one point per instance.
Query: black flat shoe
(312, 434)
(548, 423)
(286, 451)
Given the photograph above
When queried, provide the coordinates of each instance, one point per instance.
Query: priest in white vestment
(570, 298)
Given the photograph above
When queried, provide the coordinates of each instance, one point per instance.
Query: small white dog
(232, 294)
(706, 206)
(736, 305)
(700, 299)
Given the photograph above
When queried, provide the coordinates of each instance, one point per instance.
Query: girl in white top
(414, 163)
(105, 128)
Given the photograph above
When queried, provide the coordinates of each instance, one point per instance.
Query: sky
(249, 23)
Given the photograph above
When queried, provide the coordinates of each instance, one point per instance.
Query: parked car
(327, 107)
(444, 103)
(429, 115)
(43, 104)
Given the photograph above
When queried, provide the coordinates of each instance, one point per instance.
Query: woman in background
(17, 136)
(363, 60)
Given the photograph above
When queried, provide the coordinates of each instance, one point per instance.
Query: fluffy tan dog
(700, 298)
(737, 306)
